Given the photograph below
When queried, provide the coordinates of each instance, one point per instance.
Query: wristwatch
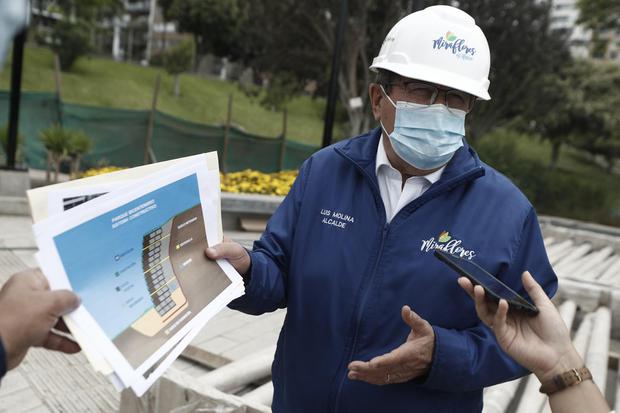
(566, 379)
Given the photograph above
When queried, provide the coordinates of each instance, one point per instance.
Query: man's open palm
(410, 360)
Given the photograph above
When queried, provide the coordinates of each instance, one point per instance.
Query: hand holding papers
(135, 256)
(29, 316)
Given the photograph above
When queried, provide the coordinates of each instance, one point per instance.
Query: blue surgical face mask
(426, 137)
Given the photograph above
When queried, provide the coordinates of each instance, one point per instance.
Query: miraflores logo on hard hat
(450, 36)
(458, 46)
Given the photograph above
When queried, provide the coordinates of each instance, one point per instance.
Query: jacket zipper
(360, 309)
(360, 312)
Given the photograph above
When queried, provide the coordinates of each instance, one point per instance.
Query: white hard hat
(442, 45)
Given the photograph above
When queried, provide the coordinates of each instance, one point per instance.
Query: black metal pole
(330, 110)
(16, 91)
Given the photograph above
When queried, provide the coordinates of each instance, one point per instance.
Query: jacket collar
(362, 151)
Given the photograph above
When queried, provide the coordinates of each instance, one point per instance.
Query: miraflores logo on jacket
(446, 243)
(458, 47)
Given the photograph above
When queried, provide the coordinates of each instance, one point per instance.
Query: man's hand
(29, 311)
(233, 252)
(412, 359)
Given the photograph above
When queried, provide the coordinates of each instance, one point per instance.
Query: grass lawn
(103, 82)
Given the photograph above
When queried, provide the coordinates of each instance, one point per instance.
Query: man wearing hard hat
(374, 322)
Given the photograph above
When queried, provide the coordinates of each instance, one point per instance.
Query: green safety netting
(174, 138)
(119, 136)
(37, 111)
(264, 152)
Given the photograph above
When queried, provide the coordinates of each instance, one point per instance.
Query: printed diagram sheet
(135, 256)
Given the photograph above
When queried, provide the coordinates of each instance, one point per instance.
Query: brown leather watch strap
(566, 379)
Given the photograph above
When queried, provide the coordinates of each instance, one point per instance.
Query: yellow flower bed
(247, 181)
(100, 171)
(254, 182)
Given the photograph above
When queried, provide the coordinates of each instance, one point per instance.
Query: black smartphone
(493, 287)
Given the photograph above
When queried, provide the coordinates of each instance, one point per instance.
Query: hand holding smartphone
(494, 288)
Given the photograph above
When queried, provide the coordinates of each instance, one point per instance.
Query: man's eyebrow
(440, 87)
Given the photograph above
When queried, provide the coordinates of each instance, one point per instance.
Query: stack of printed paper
(131, 245)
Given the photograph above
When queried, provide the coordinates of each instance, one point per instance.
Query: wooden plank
(591, 260)
(598, 350)
(176, 391)
(262, 394)
(559, 250)
(497, 398)
(596, 272)
(581, 340)
(564, 265)
(612, 274)
(242, 372)
(204, 357)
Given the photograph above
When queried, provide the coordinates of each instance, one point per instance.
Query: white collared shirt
(395, 196)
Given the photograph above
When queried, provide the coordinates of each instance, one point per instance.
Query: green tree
(599, 15)
(215, 24)
(179, 60)
(70, 41)
(522, 48)
(558, 114)
(301, 44)
(166, 8)
(601, 136)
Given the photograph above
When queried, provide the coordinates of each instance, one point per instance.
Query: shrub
(78, 145)
(4, 143)
(64, 144)
(70, 41)
(556, 192)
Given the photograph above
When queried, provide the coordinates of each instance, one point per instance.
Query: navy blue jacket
(343, 273)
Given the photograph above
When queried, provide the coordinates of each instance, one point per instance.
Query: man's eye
(420, 93)
(456, 101)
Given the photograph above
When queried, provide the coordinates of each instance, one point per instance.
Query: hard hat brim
(437, 76)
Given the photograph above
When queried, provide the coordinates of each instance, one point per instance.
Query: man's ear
(375, 94)
(473, 104)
